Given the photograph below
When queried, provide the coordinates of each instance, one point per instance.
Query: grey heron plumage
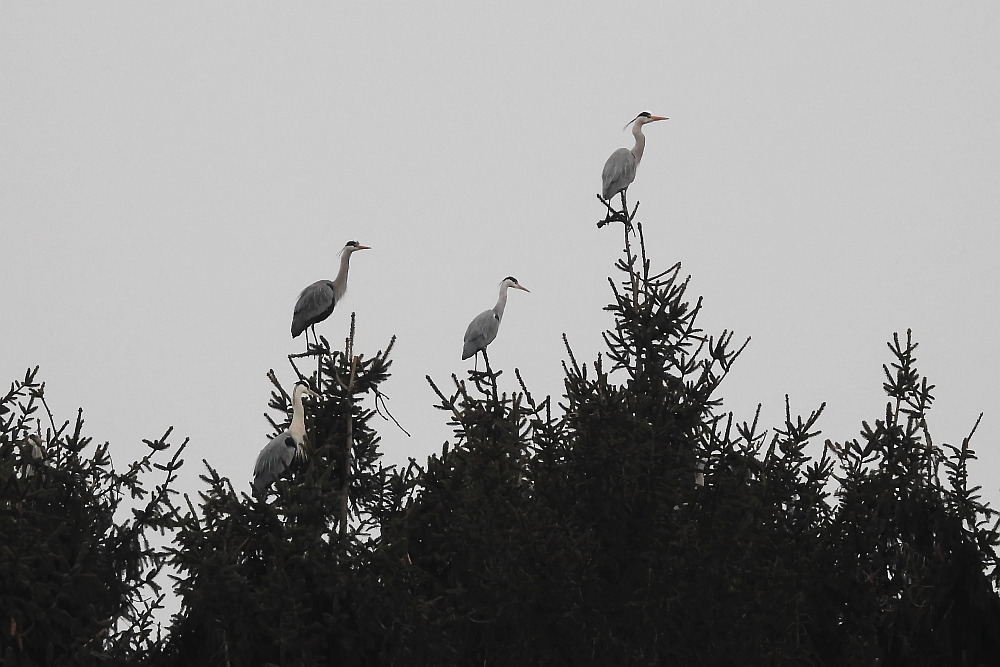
(284, 448)
(619, 170)
(32, 449)
(316, 302)
(483, 329)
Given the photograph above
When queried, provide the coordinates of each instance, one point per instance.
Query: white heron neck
(340, 282)
(298, 427)
(640, 141)
(501, 303)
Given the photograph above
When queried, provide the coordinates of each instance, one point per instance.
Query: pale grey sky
(172, 174)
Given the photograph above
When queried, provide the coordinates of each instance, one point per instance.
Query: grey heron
(483, 329)
(284, 448)
(619, 170)
(32, 448)
(316, 302)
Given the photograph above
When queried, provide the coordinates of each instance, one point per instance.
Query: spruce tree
(280, 580)
(637, 523)
(78, 573)
(914, 558)
(632, 522)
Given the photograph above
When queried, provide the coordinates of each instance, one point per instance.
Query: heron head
(351, 246)
(301, 388)
(511, 281)
(643, 118)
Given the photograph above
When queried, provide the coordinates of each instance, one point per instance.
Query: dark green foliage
(914, 557)
(631, 523)
(638, 526)
(77, 571)
(585, 539)
(280, 581)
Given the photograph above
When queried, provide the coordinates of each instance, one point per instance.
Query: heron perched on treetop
(284, 448)
(317, 301)
(619, 170)
(483, 329)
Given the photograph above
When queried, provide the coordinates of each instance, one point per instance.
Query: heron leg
(493, 378)
(319, 357)
(628, 222)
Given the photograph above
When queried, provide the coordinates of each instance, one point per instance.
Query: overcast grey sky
(172, 174)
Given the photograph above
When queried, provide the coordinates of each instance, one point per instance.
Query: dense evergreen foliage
(630, 522)
(285, 581)
(78, 573)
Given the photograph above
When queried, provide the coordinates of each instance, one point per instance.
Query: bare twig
(380, 406)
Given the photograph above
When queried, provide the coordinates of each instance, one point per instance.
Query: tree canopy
(630, 521)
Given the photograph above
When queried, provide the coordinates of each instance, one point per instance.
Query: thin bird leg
(319, 358)
(310, 348)
(493, 378)
(627, 220)
(306, 332)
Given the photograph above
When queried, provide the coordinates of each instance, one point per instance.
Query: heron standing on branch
(317, 301)
(483, 329)
(619, 170)
(284, 448)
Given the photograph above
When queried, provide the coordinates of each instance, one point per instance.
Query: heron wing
(619, 172)
(315, 303)
(481, 332)
(272, 461)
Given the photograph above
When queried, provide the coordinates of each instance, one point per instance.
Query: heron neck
(345, 264)
(640, 142)
(340, 282)
(501, 303)
(298, 427)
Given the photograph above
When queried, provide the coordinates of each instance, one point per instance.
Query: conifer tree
(641, 525)
(279, 581)
(632, 522)
(915, 561)
(547, 539)
(78, 574)
(471, 534)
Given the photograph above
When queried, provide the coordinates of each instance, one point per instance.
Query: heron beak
(519, 286)
(652, 118)
(364, 247)
(313, 393)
